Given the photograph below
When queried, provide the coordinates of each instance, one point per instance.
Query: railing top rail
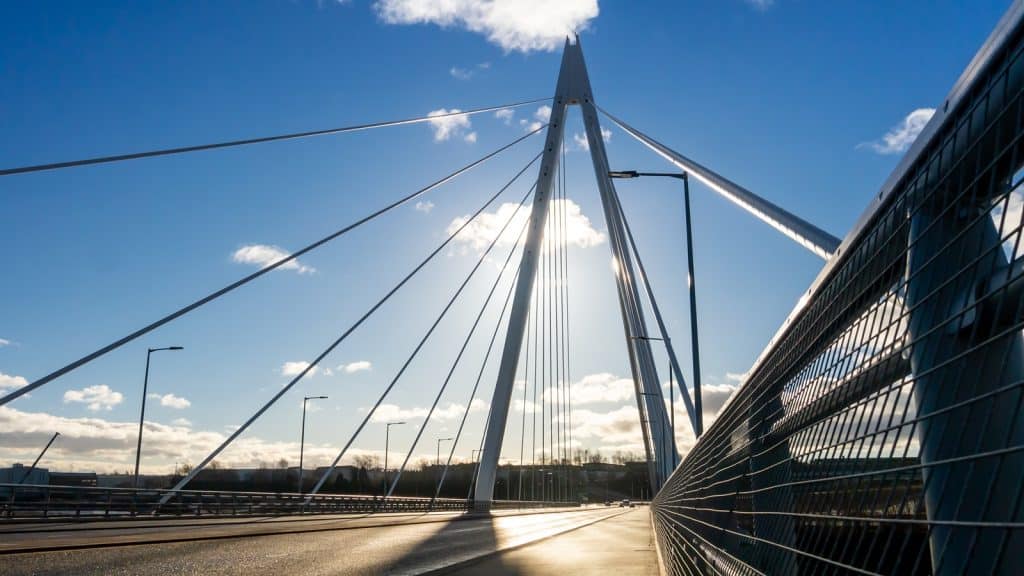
(370, 497)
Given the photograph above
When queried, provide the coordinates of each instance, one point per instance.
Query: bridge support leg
(661, 447)
(960, 352)
(502, 399)
(574, 88)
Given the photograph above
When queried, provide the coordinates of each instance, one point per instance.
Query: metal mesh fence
(882, 430)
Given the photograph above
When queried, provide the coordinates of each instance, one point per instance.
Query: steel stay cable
(472, 330)
(565, 287)
(537, 364)
(687, 402)
(542, 296)
(472, 396)
(247, 141)
(522, 426)
(548, 397)
(480, 448)
(925, 298)
(214, 295)
(563, 337)
(556, 278)
(559, 335)
(340, 339)
(423, 341)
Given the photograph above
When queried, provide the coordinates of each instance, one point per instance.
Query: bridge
(879, 432)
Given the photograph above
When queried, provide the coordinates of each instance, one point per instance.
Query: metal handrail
(42, 502)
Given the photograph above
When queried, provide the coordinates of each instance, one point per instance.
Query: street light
(671, 400)
(302, 441)
(439, 440)
(142, 412)
(692, 282)
(658, 396)
(472, 476)
(387, 440)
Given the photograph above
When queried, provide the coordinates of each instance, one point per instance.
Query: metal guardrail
(882, 430)
(43, 502)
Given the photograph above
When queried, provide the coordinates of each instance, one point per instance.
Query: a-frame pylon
(573, 87)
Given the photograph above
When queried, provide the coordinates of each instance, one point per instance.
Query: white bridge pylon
(573, 87)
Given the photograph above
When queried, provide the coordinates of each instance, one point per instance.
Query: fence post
(957, 354)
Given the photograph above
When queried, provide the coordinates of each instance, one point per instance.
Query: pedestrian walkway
(620, 546)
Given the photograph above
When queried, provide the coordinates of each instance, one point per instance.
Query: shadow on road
(457, 541)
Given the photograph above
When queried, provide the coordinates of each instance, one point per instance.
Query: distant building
(87, 479)
(348, 473)
(16, 475)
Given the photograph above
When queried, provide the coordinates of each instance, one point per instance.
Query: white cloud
(505, 115)
(445, 127)
(182, 422)
(6, 342)
(713, 397)
(171, 401)
(296, 368)
(11, 382)
(521, 25)
(541, 116)
(263, 255)
(582, 143)
(460, 73)
(602, 387)
(468, 73)
(358, 366)
(453, 411)
(98, 397)
(737, 377)
(618, 427)
(899, 138)
(424, 206)
(484, 229)
(530, 127)
(91, 443)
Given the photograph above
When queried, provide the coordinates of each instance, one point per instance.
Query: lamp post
(659, 397)
(387, 440)
(472, 476)
(691, 281)
(671, 401)
(438, 462)
(142, 412)
(302, 437)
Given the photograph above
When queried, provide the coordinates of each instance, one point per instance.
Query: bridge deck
(528, 543)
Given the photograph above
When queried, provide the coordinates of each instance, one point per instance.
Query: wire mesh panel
(882, 430)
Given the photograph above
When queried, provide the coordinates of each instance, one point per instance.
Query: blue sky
(791, 99)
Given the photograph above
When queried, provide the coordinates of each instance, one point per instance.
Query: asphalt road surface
(381, 544)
